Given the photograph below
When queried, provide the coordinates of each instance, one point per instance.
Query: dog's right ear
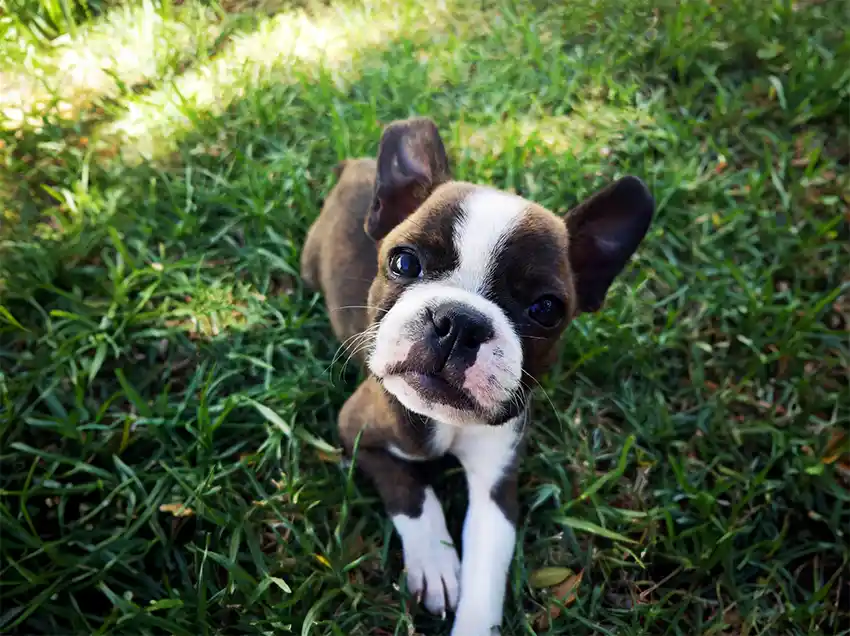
(412, 162)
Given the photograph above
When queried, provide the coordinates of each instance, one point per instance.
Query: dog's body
(454, 295)
(339, 258)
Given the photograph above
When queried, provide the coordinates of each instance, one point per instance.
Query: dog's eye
(547, 311)
(405, 264)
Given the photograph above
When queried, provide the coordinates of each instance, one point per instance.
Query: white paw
(430, 558)
(433, 574)
(464, 626)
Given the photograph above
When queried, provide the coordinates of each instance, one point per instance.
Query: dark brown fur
(339, 259)
(373, 415)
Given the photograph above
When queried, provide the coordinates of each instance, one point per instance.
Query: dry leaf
(732, 618)
(563, 595)
(248, 458)
(177, 509)
(834, 447)
(566, 591)
(330, 458)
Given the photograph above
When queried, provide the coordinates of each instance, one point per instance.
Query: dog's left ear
(412, 162)
(603, 233)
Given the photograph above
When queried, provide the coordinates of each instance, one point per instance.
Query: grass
(167, 400)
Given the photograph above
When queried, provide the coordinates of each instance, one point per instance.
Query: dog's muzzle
(443, 347)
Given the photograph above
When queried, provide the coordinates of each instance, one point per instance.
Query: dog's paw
(477, 614)
(473, 627)
(433, 573)
(430, 558)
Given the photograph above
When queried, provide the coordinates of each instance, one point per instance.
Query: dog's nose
(459, 330)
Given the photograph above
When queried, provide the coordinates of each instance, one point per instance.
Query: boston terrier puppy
(454, 296)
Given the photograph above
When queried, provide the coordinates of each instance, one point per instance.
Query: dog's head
(475, 285)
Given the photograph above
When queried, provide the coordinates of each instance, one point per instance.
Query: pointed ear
(412, 162)
(603, 233)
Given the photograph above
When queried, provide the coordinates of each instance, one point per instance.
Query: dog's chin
(435, 397)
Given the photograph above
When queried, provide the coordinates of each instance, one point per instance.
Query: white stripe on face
(489, 218)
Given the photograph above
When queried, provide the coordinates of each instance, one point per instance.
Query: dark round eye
(547, 310)
(405, 264)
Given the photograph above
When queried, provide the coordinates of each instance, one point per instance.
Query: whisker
(416, 223)
(342, 347)
(361, 307)
(545, 394)
(369, 336)
(357, 278)
(363, 346)
(414, 422)
(351, 343)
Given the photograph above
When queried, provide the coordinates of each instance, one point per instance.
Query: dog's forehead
(474, 233)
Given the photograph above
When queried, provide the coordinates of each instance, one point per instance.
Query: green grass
(157, 347)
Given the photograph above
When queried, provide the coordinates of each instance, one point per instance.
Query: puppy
(454, 297)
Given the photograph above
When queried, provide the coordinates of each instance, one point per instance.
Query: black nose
(458, 331)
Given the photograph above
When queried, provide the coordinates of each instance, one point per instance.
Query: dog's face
(475, 285)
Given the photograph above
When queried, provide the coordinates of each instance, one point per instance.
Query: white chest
(484, 451)
(481, 449)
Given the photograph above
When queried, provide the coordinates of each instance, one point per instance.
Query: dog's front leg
(489, 531)
(430, 558)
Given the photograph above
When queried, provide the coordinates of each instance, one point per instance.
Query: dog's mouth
(435, 387)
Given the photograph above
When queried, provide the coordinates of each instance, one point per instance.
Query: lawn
(168, 387)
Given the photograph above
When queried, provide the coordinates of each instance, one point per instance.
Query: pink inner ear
(410, 165)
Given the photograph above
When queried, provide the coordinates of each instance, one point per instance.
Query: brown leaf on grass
(249, 459)
(563, 595)
(330, 458)
(177, 509)
(733, 620)
(835, 447)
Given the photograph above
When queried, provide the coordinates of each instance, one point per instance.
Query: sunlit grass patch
(212, 310)
(291, 47)
(592, 126)
(129, 47)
